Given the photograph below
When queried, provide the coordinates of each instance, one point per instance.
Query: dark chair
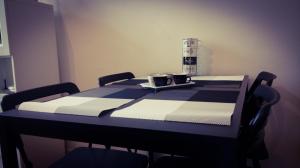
(79, 157)
(263, 78)
(101, 158)
(252, 135)
(251, 139)
(104, 80)
(182, 162)
(10, 102)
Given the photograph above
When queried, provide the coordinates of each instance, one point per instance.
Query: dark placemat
(129, 94)
(131, 82)
(221, 84)
(98, 92)
(215, 96)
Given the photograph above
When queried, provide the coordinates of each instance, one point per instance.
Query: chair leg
(26, 161)
(256, 163)
(242, 162)
(151, 158)
(24, 157)
(129, 150)
(66, 146)
(90, 145)
(107, 147)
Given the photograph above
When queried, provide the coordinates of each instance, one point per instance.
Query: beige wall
(98, 37)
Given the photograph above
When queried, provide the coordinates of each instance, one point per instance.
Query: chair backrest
(252, 143)
(115, 77)
(10, 101)
(253, 131)
(268, 97)
(251, 102)
(262, 76)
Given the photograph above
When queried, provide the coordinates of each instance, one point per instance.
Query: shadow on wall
(204, 61)
(65, 51)
(283, 128)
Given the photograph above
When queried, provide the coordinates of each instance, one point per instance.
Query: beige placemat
(221, 78)
(180, 111)
(88, 106)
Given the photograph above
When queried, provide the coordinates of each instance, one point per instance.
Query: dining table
(201, 118)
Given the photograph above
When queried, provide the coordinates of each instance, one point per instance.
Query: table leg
(8, 147)
(229, 157)
(151, 157)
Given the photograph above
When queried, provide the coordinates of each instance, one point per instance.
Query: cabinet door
(32, 40)
(4, 48)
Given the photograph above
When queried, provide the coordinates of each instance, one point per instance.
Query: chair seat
(101, 158)
(181, 162)
(258, 152)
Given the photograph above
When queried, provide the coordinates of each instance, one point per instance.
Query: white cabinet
(31, 38)
(1, 96)
(28, 35)
(32, 41)
(4, 48)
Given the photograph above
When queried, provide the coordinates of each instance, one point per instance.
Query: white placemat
(149, 109)
(1, 97)
(221, 78)
(88, 106)
(203, 112)
(181, 111)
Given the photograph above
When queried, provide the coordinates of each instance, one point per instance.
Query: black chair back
(250, 102)
(268, 97)
(252, 135)
(262, 76)
(104, 80)
(115, 77)
(10, 102)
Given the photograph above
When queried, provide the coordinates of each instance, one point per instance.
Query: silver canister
(189, 56)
